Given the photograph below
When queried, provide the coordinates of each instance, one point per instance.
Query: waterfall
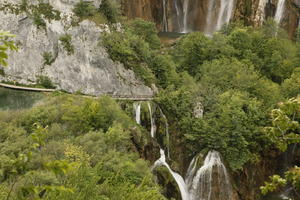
(165, 20)
(279, 11)
(191, 172)
(167, 131)
(225, 13)
(179, 180)
(152, 119)
(185, 15)
(211, 180)
(137, 109)
(218, 14)
(260, 13)
(178, 14)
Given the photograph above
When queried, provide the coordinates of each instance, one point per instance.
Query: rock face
(88, 70)
(194, 15)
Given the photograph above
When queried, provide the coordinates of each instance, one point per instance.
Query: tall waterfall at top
(260, 13)
(219, 13)
(165, 20)
(279, 11)
(225, 13)
(185, 15)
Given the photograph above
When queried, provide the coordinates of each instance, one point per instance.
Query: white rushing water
(225, 13)
(165, 20)
(260, 13)
(204, 179)
(167, 131)
(153, 125)
(185, 15)
(179, 180)
(219, 12)
(211, 181)
(279, 11)
(137, 109)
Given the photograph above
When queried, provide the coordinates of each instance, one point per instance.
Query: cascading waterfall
(209, 182)
(260, 13)
(279, 11)
(219, 13)
(225, 13)
(165, 20)
(211, 173)
(152, 119)
(167, 131)
(178, 16)
(179, 180)
(185, 15)
(137, 109)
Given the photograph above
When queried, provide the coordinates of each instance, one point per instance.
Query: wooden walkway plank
(119, 97)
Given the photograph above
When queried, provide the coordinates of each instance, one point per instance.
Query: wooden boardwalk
(118, 97)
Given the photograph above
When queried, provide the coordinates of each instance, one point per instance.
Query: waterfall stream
(219, 13)
(260, 13)
(185, 15)
(225, 13)
(208, 182)
(279, 11)
(137, 109)
(165, 19)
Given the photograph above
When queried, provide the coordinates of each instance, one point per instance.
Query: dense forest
(235, 92)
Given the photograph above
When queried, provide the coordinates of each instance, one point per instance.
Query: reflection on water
(17, 99)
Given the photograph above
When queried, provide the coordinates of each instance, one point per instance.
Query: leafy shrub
(84, 9)
(38, 20)
(66, 41)
(45, 82)
(110, 10)
(48, 58)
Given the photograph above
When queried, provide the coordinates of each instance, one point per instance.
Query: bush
(110, 10)
(48, 58)
(84, 9)
(66, 41)
(45, 82)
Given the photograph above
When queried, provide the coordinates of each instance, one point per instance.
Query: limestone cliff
(88, 69)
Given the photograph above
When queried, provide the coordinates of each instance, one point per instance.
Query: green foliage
(146, 31)
(45, 82)
(84, 9)
(110, 10)
(80, 149)
(48, 58)
(291, 87)
(5, 45)
(276, 182)
(66, 41)
(285, 127)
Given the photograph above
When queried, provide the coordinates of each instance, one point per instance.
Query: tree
(5, 45)
(285, 130)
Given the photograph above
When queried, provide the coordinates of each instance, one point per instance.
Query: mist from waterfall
(279, 11)
(137, 109)
(219, 13)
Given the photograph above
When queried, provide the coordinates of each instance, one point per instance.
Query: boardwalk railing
(119, 97)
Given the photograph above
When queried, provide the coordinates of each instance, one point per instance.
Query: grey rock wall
(89, 70)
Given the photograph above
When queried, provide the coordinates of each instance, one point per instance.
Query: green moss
(48, 58)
